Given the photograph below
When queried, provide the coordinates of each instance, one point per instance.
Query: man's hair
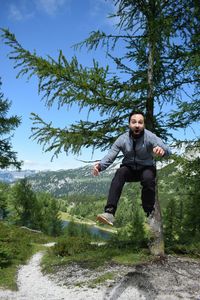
(135, 112)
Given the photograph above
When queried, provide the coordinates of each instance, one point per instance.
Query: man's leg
(122, 175)
(148, 183)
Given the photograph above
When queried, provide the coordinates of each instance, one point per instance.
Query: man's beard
(137, 133)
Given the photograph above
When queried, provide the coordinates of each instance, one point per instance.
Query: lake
(92, 229)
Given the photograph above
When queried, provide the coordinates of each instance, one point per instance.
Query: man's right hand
(96, 169)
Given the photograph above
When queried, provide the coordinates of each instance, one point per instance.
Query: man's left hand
(158, 151)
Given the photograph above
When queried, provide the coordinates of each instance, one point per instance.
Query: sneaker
(106, 218)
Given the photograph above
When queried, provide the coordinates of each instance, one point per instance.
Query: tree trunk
(150, 96)
(157, 245)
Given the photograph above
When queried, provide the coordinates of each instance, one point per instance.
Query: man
(139, 146)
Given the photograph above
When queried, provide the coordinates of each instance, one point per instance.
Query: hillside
(72, 181)
(81, 180)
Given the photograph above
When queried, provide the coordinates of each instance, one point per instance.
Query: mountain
(64, 182)
(12, 176)
(81, 180)
(72, 181)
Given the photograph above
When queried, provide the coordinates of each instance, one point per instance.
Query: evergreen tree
(180, 218)
(159, 39)
(3, 200)
(48, 214)
(8, 157)
(137, 225)
(192, 219)
(189, 111)
(171, 223)
(25, 204)
(189, 178)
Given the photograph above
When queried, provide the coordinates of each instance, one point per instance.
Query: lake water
(92, 229)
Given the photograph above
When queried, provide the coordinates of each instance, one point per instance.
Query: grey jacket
(137, 153)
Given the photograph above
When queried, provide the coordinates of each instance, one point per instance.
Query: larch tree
(157, 62)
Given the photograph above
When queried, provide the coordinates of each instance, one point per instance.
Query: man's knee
(122, 172)
(148, 177)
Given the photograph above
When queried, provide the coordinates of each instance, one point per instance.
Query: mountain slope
(81, 180)
(72, 181)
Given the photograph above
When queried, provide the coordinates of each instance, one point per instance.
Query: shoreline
(69, 218)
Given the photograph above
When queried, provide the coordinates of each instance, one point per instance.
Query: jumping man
(139, 146)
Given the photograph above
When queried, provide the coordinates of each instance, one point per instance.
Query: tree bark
(157, 245)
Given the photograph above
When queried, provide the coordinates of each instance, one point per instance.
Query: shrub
(72, 246)
(5, 255)
(192, 249)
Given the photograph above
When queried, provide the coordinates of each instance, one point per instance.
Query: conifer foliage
(36, 211)
(8, 157)
(158, 58)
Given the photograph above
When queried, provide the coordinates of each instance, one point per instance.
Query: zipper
(134, 149)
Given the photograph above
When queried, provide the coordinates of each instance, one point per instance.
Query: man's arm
(108, 159)
(96, 169)
(159, 151)
(159, 148)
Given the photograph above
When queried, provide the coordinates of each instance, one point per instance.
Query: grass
(17, 245)
(101, 279)
(92, 256)
(8, 277)
(130, 257)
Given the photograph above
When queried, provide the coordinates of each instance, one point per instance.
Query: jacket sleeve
(111, 155)
(156, 141)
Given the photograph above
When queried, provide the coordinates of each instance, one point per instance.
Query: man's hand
(96, 169)
(158, 151)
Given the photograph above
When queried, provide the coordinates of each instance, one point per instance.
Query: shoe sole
(104, 220)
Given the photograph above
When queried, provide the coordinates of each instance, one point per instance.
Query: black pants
(146, 176)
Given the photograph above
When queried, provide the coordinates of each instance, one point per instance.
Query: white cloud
(56, 164)
(15, 13)
(51, 7)
(99, 8)
(26, 9)
(19, 12)
(29, 164)
(102, 9)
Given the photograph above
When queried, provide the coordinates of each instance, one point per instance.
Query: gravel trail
(172, 279)
(33, 285)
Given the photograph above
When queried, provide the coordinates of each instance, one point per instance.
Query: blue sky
(48, 26)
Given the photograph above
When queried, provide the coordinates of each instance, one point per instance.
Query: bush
(72, 246)
(192, 249)
(16, 244)
(5, 255)
(74, 229)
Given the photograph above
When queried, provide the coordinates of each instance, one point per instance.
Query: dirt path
(173, 279)
(33, 285)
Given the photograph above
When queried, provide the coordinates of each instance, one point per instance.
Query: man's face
(136, 124)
